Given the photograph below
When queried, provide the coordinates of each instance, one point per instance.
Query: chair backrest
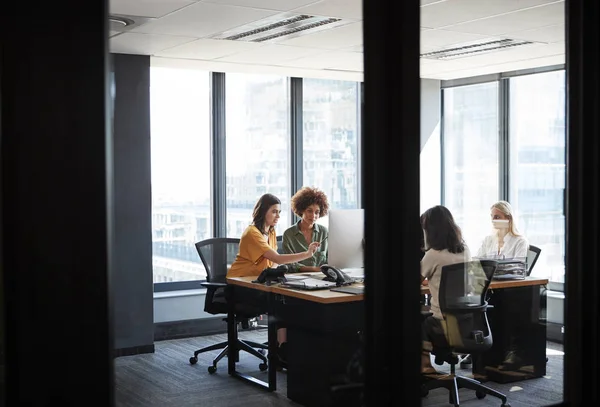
(532, 255)
(217, 255)
(464, 287)
(280, 244)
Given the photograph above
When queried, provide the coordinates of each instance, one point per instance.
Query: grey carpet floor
(166, 378)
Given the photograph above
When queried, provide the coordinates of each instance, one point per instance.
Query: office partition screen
(537, 166)
(470, 149)
(181, 183)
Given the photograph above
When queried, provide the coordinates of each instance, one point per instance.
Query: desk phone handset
(336, 275)
(269, 275)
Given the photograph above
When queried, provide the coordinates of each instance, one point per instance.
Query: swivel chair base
(453, 382)
(248, 346)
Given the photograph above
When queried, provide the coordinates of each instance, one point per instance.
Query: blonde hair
(506, 209)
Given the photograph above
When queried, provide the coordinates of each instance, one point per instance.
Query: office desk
(515, 319)
(322, 330)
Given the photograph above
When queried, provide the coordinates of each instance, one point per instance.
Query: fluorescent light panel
(274, 28)
(473, 48)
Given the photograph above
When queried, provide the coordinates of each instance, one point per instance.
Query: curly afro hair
(308, 196)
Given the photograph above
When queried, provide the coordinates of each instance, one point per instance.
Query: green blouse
(294, 242)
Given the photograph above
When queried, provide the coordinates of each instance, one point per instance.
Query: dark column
(56, 210)
(583, 202)
(132, 283)
(390, 167)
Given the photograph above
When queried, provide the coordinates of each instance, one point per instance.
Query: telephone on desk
(269, 275)
(336, 275)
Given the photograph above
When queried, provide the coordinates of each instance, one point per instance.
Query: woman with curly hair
(309, 204)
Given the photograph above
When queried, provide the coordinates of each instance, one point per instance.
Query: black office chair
(217, 254)
(462, 293)
(532, 255)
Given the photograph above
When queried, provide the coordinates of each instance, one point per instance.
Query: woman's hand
(312, 248)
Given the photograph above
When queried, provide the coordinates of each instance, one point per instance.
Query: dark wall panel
(132, 282)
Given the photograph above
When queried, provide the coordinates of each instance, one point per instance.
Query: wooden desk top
(321, 296)
(499, 284)
(331, 297)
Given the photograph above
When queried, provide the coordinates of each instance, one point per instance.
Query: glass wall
(257, 145)
(330, 134)
(470, 150)
(537, 166)
(181, 181)
(519, 157)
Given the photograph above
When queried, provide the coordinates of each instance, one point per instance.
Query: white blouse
(514, 247)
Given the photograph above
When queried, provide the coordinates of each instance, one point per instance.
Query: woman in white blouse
(505, 242)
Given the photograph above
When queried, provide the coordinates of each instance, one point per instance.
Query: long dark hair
(261, 208)
(441, 230)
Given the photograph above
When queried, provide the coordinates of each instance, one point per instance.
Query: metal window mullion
(360, 89)
(442, 155)
(296, 137)
(503, 139)
(218, 156)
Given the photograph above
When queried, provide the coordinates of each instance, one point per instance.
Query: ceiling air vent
(475, 48)
(281, 26)
(120, 23)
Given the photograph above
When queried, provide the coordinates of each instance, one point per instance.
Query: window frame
(218, 164)
(503, 128)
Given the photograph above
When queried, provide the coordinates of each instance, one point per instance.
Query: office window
(181, 182)
(537, 166)
(257, 143)
(470, 148)
(330, 148)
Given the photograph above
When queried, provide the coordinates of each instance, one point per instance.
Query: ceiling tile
(429, 2)
(208, 49)
(270, 54)
(203, 19)
(338, 37)
(351, 9)
(147, 8)
(144, 44)
(280, 5)
(452, 12)
(532, 18)
(514, 54)
(550, 34)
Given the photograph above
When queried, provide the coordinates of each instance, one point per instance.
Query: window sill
(179, 293)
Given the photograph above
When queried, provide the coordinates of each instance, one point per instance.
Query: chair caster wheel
(212, 369)
(263, 367)
(479, 394)
(505, 405)
(193, 360)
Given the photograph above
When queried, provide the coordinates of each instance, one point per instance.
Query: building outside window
(181, 180)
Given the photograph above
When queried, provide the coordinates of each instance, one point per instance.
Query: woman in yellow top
(258, 244)
(257, 251)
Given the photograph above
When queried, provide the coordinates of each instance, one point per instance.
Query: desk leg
(273, 345)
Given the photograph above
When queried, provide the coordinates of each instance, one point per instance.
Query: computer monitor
(346, 235)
